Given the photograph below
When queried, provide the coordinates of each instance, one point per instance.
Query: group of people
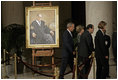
(85, 48)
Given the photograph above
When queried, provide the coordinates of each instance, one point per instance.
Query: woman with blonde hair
(100, 52)
(79, 30)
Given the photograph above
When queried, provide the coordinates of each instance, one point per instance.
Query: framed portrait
(42, 27)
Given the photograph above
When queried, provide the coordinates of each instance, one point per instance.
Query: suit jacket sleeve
(89, 42)
(102, 43)
(67, 43)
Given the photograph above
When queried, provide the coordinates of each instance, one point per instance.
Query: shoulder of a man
(86, 33)
(65, 32)
(34, 22)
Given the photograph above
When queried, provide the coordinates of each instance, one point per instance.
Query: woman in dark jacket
(100, 52)
(79, 30)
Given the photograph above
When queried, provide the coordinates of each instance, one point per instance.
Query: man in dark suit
(68, 49)
(40, 33)
(85, 49)
(107, 45)
(100, 52)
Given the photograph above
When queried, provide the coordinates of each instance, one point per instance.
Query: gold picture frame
(42, 27)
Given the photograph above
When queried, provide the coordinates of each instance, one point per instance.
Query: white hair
(39, 15)
(69, 24)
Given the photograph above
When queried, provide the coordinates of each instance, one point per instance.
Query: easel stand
(39, 52)
(43, 53)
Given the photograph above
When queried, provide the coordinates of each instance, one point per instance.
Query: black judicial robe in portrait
(42, 32)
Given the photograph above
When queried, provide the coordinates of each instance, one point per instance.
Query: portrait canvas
(42, 27)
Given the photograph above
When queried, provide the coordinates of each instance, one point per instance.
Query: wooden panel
(43, 53)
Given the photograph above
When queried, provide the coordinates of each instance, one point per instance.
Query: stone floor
(28, 75)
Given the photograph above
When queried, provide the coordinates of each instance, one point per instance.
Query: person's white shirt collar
(70, 32)
(39, 22)
(102, 31)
